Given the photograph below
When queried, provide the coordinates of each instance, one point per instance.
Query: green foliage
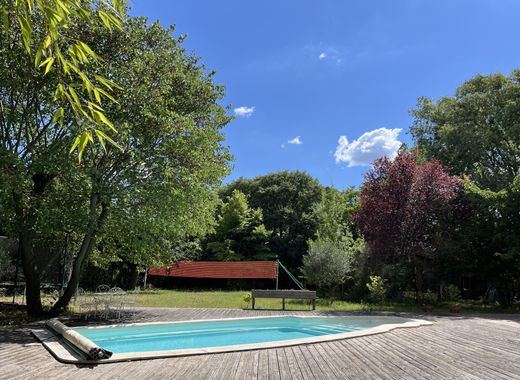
(451, 293)
(287, 200)
(50, 37)
(377, 289)
(429, 297)
(334, 214)
(247, 298)
(6, 264)
(328, 263)
(476, 133)
(134, 203)
(240, 233)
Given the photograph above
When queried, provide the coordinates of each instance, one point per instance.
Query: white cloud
(244, 111)
(322, 56)
(369, 146)
(295, 141)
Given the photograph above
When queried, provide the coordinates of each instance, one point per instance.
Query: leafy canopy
(134, 202)
(287, 200)
(240, 233)
(44, 27)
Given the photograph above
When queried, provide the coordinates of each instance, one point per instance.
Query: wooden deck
(465, 347)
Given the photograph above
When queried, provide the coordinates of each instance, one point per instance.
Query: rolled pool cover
(92, 350)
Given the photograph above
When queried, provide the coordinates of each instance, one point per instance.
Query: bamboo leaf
(107, 95)
(38, 56)
(75, 144)
(101, 137)
(26, 32)
(84, 138)
(58, 115)
(100, 117)
(88, 50)
(105, 137)
(45, 62)
(47, 42)
(49, 65)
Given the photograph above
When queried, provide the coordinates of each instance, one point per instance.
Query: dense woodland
(439, 221)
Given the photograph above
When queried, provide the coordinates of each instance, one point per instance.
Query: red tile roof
(219, 269)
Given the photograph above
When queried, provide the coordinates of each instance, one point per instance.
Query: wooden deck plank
(442, 358)
(347, 368)
(263, 365)
(474, 360)
(292, 363)
(470, 347)
(243, 366)
(274, 367)
(305, 366)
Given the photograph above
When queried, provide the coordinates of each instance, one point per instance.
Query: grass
(236, 300)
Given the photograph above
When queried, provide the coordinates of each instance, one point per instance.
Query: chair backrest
(103, 289)
(116, 289)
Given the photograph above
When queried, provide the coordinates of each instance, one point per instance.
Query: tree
(328, 263)
(155, 189)
(476, 133)
(240, 233)
(335, 214)
(42, 28)
(287, 200)
(401, 203)
(337, 240)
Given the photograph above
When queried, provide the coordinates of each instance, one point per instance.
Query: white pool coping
(66, 354)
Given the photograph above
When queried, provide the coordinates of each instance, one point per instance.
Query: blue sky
(301, 74)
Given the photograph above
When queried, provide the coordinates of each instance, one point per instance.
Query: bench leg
(283, 303)
(253, 304)
(314, 304)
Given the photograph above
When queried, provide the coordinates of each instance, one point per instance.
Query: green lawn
(235, 300)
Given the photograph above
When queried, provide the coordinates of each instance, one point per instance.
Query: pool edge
(64, 354)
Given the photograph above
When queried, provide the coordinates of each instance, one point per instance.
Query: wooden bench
(283, 294)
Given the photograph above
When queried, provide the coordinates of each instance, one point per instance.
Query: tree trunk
(134, 275)
(418, 276)
(32, 277)
(85, 249)
(29, 265)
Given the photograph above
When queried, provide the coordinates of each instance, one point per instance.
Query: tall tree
(156, 188)
(476, 133)
(240, 233)
(335, 214)
(400, 206)
(287, 200)
(330, 259)
(43, 27)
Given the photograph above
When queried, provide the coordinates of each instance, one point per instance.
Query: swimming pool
(148, 340)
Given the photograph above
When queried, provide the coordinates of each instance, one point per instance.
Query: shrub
(451, 293)
(377, 289)
(429, 297)
(328, 264)
(247, 298)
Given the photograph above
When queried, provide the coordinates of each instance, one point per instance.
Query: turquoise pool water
(188, 335)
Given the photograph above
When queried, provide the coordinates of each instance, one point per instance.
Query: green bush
(429, 297)
(328, 264)
(451, 293)
(377, 289)
(247, 298)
